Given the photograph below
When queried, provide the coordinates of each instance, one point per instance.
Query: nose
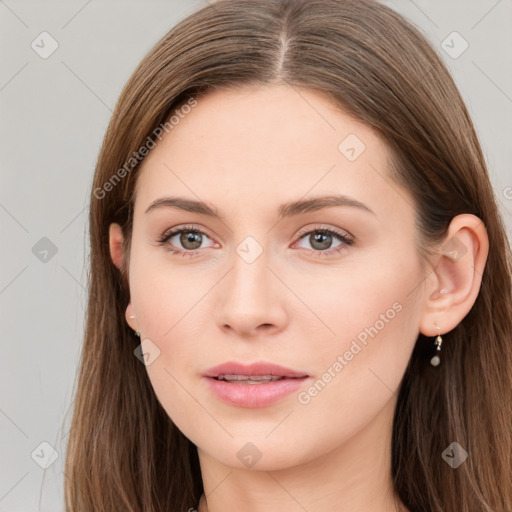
(250, 299)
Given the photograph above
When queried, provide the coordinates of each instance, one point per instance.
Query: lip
(259, 368)
(254, 395)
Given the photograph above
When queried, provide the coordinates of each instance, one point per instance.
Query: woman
(300, 293)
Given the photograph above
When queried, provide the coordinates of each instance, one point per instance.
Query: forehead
(273, 120)
(259, 143)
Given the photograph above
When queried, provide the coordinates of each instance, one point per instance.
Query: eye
(321, 240)
(188, 237)
(187, 240)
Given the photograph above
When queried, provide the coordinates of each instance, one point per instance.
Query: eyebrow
(285, 210)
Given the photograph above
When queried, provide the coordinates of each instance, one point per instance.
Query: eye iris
(192, 237)
(323, 238)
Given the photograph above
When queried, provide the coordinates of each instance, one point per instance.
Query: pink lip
(254, 395)
(261, 368)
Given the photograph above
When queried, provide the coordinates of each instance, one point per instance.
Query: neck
(355, 477)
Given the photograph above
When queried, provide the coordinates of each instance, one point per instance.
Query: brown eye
(185, 240)
(321, 240)
(191, 240)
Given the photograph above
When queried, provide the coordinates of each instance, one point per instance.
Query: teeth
(249, 379)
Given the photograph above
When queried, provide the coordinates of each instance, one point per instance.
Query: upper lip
(253, 369)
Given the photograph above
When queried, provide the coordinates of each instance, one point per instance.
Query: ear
(116, 240)
(116, 245)
(454, 283)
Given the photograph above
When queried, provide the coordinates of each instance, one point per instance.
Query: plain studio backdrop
(64, 64)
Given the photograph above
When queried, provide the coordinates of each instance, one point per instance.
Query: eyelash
(347, 240)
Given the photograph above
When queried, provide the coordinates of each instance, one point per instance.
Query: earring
(436, 359)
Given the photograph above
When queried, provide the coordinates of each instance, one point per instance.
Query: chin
(259, 455)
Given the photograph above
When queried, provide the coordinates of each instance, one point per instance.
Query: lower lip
(254, 395)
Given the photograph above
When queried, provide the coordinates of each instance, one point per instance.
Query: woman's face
(257, 284)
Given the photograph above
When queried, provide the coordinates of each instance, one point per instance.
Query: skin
(246, 152)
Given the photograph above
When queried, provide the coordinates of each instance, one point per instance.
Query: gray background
(54, 112)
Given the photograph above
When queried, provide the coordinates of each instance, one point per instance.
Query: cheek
(371, 302)
(375, 325)
(169, 309)
(359, 372)
(166, 293)
(170, 325)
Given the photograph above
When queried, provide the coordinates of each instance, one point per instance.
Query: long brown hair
(124, 452)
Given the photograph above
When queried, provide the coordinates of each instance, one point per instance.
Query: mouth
(250, 379)
(259, 371)
(253, 385)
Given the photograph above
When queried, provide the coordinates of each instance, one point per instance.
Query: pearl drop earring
(436, 359)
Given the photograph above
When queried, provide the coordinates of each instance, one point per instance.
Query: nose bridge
(250, 275)
(249, 297)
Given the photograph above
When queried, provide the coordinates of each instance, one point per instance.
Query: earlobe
(116, 245)
(130, 317)
(454, 284)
